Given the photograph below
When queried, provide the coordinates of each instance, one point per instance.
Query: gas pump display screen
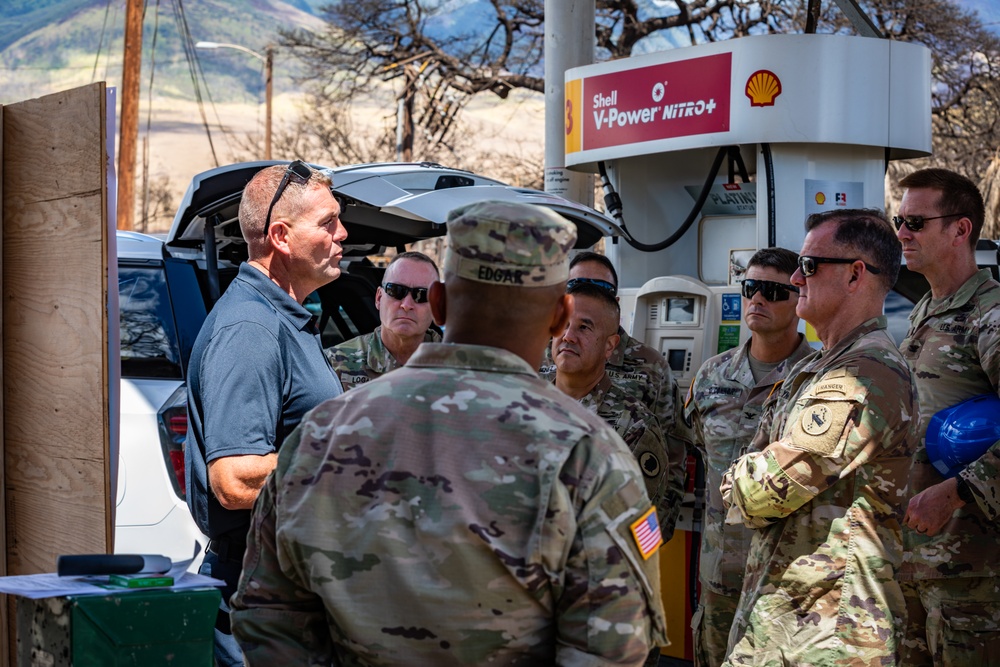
(680, 309)
(676, 359)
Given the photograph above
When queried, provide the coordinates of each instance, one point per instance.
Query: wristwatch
(964, 491)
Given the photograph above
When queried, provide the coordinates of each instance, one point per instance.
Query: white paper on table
(51, 585)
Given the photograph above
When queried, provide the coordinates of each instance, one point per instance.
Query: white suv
(159, 319)
(166, 286)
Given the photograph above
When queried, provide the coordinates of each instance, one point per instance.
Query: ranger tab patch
(646, 532)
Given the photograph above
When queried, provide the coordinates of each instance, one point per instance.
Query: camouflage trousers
(710, 626)
(952, 623)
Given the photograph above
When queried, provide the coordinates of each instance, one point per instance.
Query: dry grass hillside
(174, 144)
(64, 44)
(179, 146)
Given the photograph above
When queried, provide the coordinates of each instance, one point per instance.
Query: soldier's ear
(437, 298)
(962, 231)
(560, 315)
(610, 344)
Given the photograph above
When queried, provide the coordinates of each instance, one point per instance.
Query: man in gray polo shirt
(257, 365)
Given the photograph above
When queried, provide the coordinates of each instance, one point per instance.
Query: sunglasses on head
(771, 291)
(603, 284)
(916, 222)
(398, 292)
(809, 265)
(297, 171)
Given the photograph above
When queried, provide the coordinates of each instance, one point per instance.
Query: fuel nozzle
(612, 200)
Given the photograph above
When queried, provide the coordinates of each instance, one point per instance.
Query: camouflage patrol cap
(503, 243)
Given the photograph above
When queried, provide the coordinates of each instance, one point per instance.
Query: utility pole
(130, 113)
(569, 42)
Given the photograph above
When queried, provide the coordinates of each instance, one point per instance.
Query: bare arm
(236, 480)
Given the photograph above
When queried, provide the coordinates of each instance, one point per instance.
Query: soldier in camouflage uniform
(459, 511)
(953, 346)
(405, 317)
(824, 480)
(723, 407)
(580, 353)
(640, 371)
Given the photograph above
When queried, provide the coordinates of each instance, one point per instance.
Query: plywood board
(54, 323)
(6, 627)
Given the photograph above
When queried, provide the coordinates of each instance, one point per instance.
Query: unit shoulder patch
(649, 463)
(820, 427)
(816, 420)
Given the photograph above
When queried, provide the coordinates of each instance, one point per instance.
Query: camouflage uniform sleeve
(645, 440)
(983, 477)
(832, 428)
(675, 448)
(609, 610)
(757, 444)
(665, 387)
(687, 419)
(274, 618)
(983, 474)
(673, 496)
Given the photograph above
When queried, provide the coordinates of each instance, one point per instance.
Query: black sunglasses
(398, 292)
(770, 290)
(916, 222)
(809, 265)
(297, 171)
(603, 284)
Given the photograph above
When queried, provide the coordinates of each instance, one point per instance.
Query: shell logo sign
(674, 99)
(762, 88)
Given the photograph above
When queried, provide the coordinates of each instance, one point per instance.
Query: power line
(100, 42)
(192, 58)
(149, 120)
(215, 109)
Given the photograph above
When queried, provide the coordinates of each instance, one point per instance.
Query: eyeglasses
(398, 292)
(297, 171)
(770, 290)
(916, 222)
(603, 284)
(808, 265)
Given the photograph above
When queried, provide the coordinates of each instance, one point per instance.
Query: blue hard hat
(959, 435)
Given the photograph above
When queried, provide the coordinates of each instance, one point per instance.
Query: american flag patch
(646, 532)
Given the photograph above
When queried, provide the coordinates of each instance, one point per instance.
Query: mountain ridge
(48, 45)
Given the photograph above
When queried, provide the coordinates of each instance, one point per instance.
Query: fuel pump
(803, 123)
